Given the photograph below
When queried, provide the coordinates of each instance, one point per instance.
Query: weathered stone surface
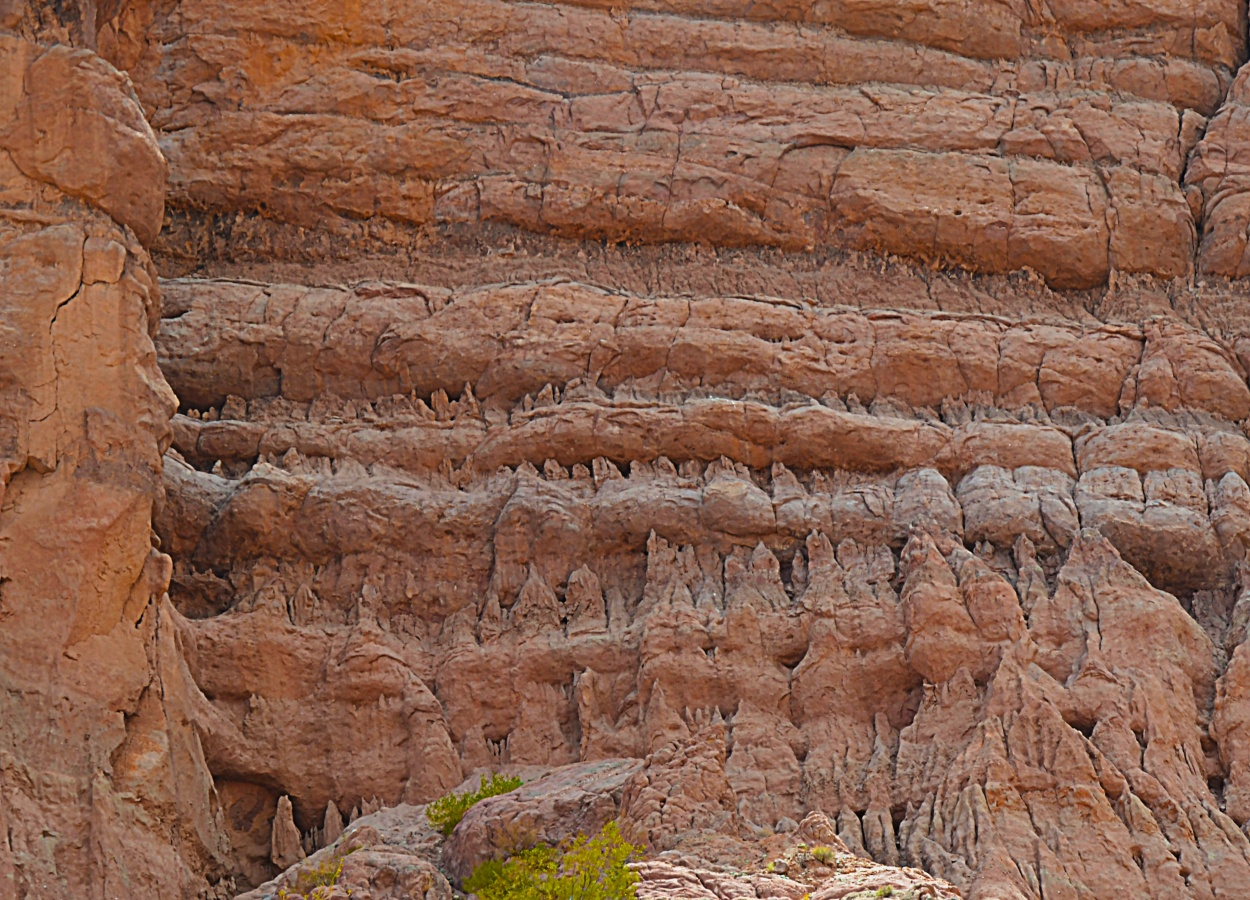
(285, 850)
(560, 392)
(988, 135)
(367, 683)
(103, 787)
(842, 628)
(848, 876)
(797, 557)
(1219, 171)
(392, 853)
(382, 857)
(578, 799)
(76, 124)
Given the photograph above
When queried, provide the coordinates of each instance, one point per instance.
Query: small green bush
(823, 854)
(446, 812)
(587, 869)
(326, 874)
(887, 891)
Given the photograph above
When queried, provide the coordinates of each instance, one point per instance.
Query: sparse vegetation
(324, 874)
(446, 812)
(887, 891)
(586, 869)
(824, 855)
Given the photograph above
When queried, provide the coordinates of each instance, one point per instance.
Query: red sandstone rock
(843, 615)
(903, 129)
(104, 791)
(950, 567)
(391, 853)
(575, 800)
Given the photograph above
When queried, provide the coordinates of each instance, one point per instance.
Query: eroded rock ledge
(395, 854)
(992, 135)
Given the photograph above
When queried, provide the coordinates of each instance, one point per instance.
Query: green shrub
(887, 891)
(587, 869)
(823, 854)
(446, 812)
(325, 874)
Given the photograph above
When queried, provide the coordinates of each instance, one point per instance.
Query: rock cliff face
(104, 792)
(994, 134)
(746, 414)
(915, 562)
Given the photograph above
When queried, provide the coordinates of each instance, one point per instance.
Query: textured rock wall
(913, 560)
(958, 561)
(103, 788)
(572, 382)
(994, 135)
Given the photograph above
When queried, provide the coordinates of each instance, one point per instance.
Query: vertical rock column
(103, 790)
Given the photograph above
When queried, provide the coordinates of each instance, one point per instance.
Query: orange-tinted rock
(907, 129)
(76, 124)
(1217, 171)
(394, 853)
(578, 799)
(691, 393)
(104, 789)
(825, 540)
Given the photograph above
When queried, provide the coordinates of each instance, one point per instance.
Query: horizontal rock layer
(992, 135)
(665, 462)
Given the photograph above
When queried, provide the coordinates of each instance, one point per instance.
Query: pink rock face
(383, 857)
(986, 135)
(943, 628)
(573, 800)
(104, 791)
(855, 878)
(728, 416)
(394, 853)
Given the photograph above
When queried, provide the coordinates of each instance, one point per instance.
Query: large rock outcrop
(909, 565)
(395, 853)
(792, 410)
(104, 792)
